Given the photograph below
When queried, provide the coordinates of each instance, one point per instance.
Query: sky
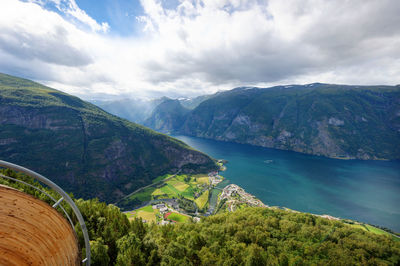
(180, 48)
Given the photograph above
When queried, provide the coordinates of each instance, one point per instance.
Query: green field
(146, 213)
(203, 180)
(373, 229)
(176, 186)
(180, 186)
(202, 200)
(144, 195)
(177, 217)
(188, 193)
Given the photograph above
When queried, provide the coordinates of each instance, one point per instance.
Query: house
(159, 206)
(163, 209)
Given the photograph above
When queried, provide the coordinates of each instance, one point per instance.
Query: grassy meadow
(146, 213)
(169, 186)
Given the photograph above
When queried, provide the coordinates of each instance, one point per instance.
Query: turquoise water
(367, 191)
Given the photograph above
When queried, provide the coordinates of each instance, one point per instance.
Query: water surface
(367, 191)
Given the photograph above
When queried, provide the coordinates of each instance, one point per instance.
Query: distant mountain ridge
(167, 116)
(136, 110)
(84, 149)
(140, 110)
(339, 121)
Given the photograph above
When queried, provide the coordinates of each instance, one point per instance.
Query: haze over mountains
(339, 121)
(134, 109)
(139, 110)
(82, 148)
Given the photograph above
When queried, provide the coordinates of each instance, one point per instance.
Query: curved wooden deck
(33, 233)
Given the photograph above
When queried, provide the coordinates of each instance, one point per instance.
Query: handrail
(63, 195)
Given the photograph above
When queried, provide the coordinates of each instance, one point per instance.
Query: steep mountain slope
(167, 116)
(84, 149)
(331, 120)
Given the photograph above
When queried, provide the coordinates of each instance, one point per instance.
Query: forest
(250, 236)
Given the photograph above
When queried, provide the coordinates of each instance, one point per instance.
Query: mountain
(133, 109)
(167, 116)
(140, 110)
(338, 121)
(81, 147)
(191, 103)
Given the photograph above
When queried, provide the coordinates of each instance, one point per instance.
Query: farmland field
(177, 217)
(202, 180)
(144, 195)
(202, 200)
(146, 213)
(370, 228)
(180, 186)
(169, 186)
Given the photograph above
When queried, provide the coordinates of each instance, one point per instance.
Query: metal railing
(64, 197)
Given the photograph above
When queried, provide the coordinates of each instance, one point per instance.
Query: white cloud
(72, 10)
(203, 46)
(70, 7)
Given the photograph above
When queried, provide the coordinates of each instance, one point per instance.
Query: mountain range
(83, 148)
(338, 121)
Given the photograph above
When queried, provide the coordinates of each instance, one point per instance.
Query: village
(167, 214)
(215, 178)
(233, 197)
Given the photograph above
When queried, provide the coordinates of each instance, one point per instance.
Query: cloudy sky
(192, 47)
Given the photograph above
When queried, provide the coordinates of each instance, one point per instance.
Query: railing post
(58, 202)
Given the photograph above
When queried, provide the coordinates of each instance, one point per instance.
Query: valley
(83, 148)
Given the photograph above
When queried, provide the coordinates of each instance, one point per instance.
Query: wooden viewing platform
(34, 233)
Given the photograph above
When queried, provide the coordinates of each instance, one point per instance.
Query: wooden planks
(33, 233)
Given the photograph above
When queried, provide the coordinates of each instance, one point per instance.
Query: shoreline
(350, 222)
(213, 205)
(288, 150)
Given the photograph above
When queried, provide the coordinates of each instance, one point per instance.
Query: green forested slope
(331, 120)
(251, 236)
(84, 149)
(167, 116)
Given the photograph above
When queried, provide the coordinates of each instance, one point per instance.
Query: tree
(99, 253)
